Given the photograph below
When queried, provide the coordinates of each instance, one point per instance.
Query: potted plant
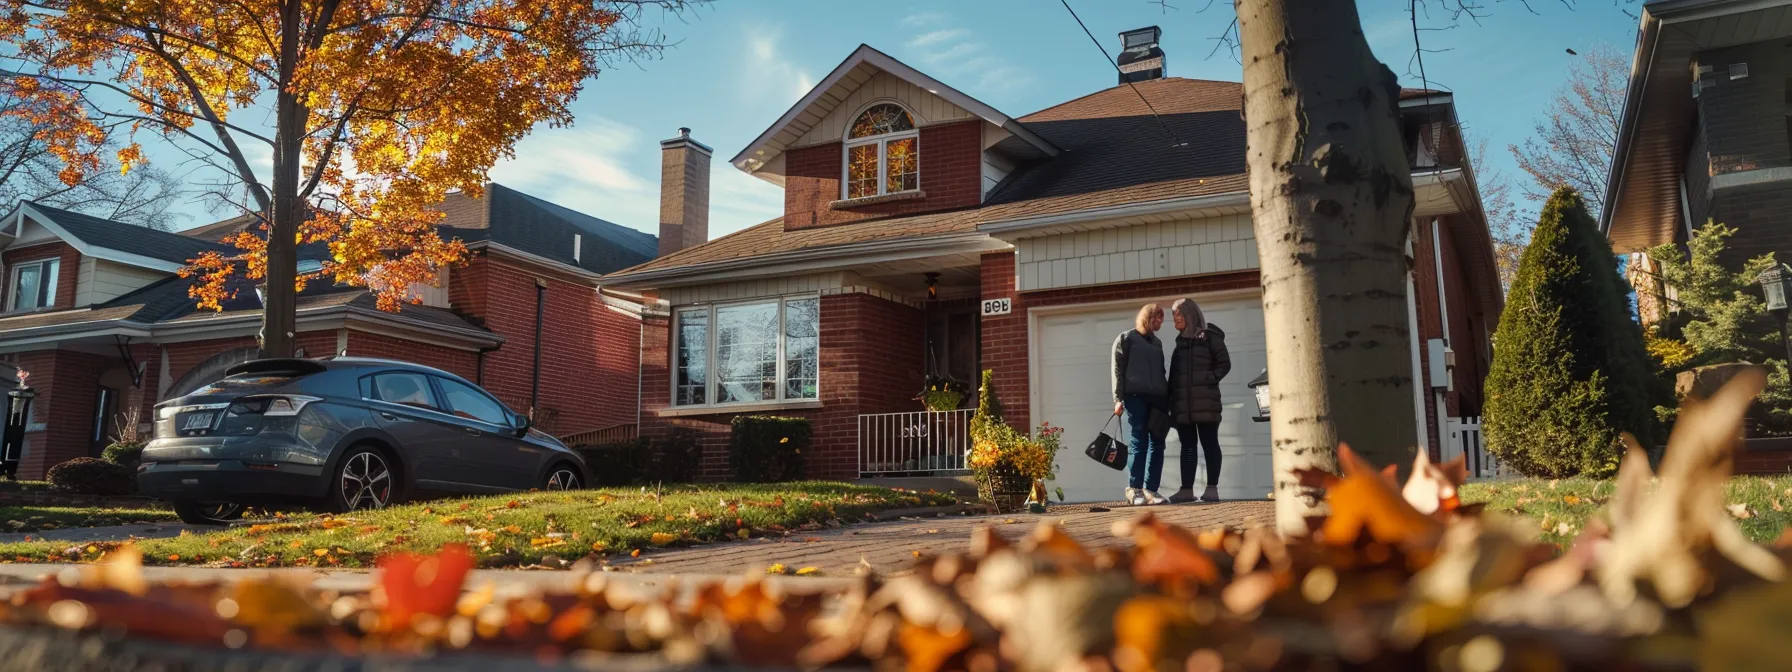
(942, 393)
(1011, 468)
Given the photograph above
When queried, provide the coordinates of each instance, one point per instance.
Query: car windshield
(241, 383)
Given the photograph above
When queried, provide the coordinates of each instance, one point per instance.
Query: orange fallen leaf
(1364, 500)
(423, 584)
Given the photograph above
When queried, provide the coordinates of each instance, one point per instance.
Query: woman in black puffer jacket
(1196, 367)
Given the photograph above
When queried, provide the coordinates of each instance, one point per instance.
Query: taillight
(248, 414)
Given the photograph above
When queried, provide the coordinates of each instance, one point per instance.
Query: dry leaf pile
(1397, 576)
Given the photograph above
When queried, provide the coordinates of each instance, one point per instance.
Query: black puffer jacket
(1196, 369)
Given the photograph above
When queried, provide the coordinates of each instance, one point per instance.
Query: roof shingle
(159, 245)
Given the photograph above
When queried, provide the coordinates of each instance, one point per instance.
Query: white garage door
(1071, 364)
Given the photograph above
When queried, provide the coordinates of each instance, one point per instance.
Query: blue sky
(740, 64)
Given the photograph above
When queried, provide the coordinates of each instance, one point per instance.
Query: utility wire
(1135, 89)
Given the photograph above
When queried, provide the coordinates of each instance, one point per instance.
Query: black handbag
(1104, 449)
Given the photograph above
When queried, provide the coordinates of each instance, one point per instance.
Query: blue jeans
(1145, 469)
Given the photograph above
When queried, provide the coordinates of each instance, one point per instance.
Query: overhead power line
(1135, 89)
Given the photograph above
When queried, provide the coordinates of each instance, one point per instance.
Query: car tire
(207, 513)
(364, 479)
(562, 476)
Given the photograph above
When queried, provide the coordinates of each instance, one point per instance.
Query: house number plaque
(997, 307)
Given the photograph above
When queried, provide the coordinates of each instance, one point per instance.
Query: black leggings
(1208, 436)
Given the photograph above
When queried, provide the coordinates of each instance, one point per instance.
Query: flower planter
(1003, 488)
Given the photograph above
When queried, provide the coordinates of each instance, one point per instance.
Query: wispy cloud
(738, 200)
(956, 54)
(919, 19)
(766, 72)
(586, 168)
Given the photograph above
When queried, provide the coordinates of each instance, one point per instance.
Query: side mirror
(521, 423)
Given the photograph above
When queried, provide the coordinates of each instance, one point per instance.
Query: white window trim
(711, 381)
(12, 284)
(882, 142)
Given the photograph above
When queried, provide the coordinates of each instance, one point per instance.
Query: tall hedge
(1570, 371)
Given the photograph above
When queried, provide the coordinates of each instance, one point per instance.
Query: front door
(105, 425)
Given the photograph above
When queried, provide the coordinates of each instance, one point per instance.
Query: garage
(1070, 377)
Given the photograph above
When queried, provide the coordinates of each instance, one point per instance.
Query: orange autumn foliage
(1365, 500)
(373, 111)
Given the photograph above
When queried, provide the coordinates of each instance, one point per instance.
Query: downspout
(1412, 335)
(1443, 312)
(541, 293)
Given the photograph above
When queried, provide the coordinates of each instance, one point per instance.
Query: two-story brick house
(926, 232)
(95, 313)
(1706, 133)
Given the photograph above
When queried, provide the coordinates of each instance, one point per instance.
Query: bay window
(33, 284)
(749, 352)
(882, 153)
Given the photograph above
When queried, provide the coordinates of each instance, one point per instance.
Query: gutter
(1643, 62)
(559, 266)
(818, 258)
(1001, 226)
(134, 329)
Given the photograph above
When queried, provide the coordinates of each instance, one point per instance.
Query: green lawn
(514, 530)
(41, 518)
(1561, 508)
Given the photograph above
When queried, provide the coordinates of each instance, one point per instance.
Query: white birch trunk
(1331, 198)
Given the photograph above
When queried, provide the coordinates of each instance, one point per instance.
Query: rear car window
(410, 389)
(243, 383)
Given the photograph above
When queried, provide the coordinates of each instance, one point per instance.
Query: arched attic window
(883, 152)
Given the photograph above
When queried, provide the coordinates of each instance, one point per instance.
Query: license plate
(198, 421)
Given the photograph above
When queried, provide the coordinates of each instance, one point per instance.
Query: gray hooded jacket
(1138, 366)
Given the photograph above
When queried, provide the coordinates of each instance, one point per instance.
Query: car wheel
(207, 513)
(363, 480)
(562, 477)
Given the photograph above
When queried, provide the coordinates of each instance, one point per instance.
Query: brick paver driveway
(890, 547)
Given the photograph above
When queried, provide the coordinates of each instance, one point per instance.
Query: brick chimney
(684, 193)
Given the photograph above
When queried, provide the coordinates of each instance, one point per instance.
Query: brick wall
(1430, 325)
(463, 363)
(951, 177)
(1005, 347)
(67, 275)
(871, 362)
(1760, 215)
(589, 353)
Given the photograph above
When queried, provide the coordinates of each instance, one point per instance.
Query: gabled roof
(857, 69)
(116, 241)
(529, 224)
(1642, 199)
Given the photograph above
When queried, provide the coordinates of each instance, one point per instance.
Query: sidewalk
(889, 548)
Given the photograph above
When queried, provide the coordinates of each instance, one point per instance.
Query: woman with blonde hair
(1142, 390)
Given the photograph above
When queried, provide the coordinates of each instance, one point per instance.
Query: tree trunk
(280, 297)
(1331, 198)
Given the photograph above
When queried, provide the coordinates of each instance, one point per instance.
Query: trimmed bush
(765, 449)
(617, 464)
(642, 461)
(91, 476)
(124, 453)
(1570, 371)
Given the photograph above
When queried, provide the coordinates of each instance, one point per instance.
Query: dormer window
(882, 153)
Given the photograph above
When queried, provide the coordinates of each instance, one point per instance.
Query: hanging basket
(1003, 488)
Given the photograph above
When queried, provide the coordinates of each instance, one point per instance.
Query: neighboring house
(1704, 134)
(925, 232)
(95, 312)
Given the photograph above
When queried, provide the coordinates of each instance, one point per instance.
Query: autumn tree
(28, 171)
(1332, 202)
(374, 110)
(1574, 142)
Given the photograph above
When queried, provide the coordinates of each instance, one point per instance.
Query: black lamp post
(1260, 387)
(12, 439)
(1776, 287)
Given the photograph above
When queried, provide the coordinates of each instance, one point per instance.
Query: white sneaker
(1134, 498)
(1154, 499)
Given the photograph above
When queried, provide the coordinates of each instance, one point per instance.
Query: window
(882, 153)
(762, 351)
(409, 389)
(467, 402)
(34, 284)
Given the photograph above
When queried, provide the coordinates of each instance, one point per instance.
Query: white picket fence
(922, 442)
(1462, 436)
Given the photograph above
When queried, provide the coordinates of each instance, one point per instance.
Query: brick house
(1705, 136)
(927, 233)
(96, 315)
